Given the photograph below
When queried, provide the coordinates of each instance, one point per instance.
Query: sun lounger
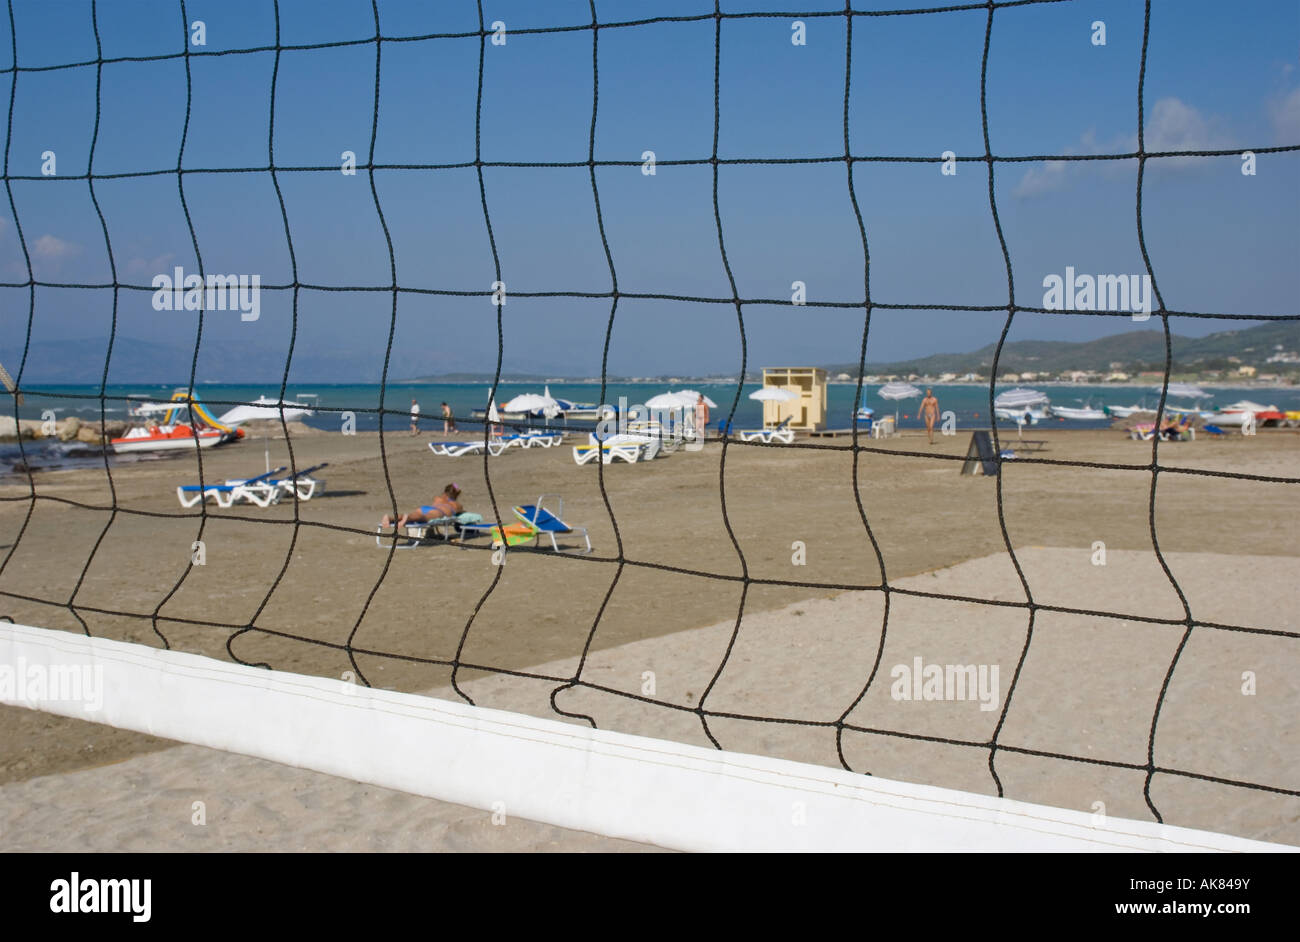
(416, 533)
(258, 490)
(627, 451)
(541, 439)
(651, 444)
(535, 522)
(525, 439)
(1215, 431)
(456, 449)
(419, 533)
(301, 482)
(778, 433)
(549, 523)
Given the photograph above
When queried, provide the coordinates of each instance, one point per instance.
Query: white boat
(1123, 412)
(1175, 408)
(1083, 414)
(578, 410)
(1246, 412)
(1030, 414)
(263, 408)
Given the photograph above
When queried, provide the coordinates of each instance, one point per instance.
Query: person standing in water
(930, 413)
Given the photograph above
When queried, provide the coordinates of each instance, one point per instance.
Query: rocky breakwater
(70, 429)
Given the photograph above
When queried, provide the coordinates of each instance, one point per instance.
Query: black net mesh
(847, 20)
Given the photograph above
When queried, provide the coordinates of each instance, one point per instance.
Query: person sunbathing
(1172, 429)
(446, 504)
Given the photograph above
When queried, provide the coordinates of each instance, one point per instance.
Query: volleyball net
(845, 738)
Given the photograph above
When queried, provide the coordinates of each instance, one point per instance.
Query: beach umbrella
(668, 400)
(493, 415)
(1015, 400)
(696, 396)
(531, 402)
(773, 394)
(898, 391)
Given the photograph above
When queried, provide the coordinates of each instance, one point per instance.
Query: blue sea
(970, 403)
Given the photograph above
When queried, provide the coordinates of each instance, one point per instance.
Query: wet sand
(305, 590)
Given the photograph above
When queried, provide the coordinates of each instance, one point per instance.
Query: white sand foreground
(1088, 689)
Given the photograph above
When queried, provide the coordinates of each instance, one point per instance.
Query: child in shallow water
(446, 504)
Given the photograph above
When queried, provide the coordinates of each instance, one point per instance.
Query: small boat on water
(1245, 411)
(578, 410)
(1084, 413)
(263, 408)
(173, 433)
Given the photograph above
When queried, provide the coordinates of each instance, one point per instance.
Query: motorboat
(1123, 412)
(1085, 413)
(263, 408)
(1246, 412)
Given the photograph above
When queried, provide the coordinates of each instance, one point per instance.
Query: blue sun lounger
(301, 482)
(259, 490)
(549, 523)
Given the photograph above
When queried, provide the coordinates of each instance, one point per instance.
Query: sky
(1219, 77)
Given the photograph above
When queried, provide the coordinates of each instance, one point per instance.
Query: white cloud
(150, 266)
(1173, 125)
(1285, 112)
(1041, 178)
(52, 247)
(1176, 125)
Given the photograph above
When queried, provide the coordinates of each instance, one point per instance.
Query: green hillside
(1135, 350)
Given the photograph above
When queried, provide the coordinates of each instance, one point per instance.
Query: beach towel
(515, 533)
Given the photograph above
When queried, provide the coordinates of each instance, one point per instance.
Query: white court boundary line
(610, 783)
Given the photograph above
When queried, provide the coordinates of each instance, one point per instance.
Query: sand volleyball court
(662, 619)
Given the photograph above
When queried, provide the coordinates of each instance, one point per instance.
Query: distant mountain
(1137, 350)
(79, 361)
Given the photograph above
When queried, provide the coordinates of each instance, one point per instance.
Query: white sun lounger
(456, 449)
(778, 433)
(258, 490)
(651, 444)
(301, 483)
(626, 451)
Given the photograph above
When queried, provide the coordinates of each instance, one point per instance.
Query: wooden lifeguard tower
(807, 412)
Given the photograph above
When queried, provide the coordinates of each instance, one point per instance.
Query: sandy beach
(296, 586)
